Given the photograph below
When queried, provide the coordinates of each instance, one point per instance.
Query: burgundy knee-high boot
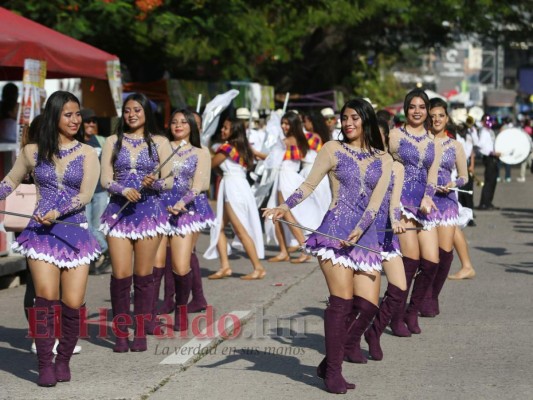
(42, 328)
(70, 332)
(198, 302)
(445, 263)
(363, 312)
(169, 286)
(120, 302)
(423, 281)
(322, 367)
(397, 323)
(183, 291)
(392, 299)
(143, 292)
(151, 325)
(335, 317)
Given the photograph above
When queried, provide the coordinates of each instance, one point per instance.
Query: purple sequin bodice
(130, 169)
(58, 190)
(183, 169)
(416, 153)
(354, 175)
(447, 163)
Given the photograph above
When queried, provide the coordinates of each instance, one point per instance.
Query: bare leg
(46, 278)
(340, 280)
(73, 285)
(461, 246)
(121, 252)
(395, 272)
(409, 240)
(298, 235)
(181, 254)
(222, 248)
(367, 285)
(446, 237)
(283, 251)
(247, 242)
(429, 245)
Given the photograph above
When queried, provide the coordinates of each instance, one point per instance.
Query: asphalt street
(267, 335)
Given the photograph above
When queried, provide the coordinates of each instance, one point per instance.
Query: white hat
(327, 112)
(255, 115)
(243, 113)
(370, 101)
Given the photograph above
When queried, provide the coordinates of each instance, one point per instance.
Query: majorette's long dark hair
(239, 140)
(48, 137)
(407, 102)
(194, 137)
(296, 131)
(150, 126)
(319, 125)
(371, 135)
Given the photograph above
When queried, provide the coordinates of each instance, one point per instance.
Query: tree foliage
(297, 45)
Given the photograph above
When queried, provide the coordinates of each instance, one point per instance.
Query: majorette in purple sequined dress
(417, 154)
(358, 182)
(65, 186)
(145, 218)
(447, 204)
(191, 168)
(390, 212)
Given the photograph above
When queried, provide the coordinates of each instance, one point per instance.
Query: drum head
(513, 144)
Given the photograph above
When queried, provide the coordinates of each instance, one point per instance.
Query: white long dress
(235, 189)
(321, 196)
(306, 213)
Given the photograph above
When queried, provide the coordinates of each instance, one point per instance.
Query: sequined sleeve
(431, 186)
(91, 172)
(107, 177)
(324, 162)
(460, 164)
(23, 165)
(201, 175)
(164, 150)
(377, 194)
(395, 212)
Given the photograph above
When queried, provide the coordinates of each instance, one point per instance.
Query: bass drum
(514, 146)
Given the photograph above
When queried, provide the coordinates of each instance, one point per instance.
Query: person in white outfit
(236, 203)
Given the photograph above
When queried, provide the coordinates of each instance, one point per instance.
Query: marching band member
(447, 213)
(65, 172)
(129, 158)
(359, 173)
(412, 146)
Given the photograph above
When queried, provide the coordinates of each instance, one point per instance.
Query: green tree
(297, 45)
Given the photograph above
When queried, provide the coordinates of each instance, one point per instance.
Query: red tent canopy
(65, 57)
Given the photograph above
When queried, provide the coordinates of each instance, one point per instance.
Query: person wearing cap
(331, 121)
(99, 200)
(485, 146)
(256, 137)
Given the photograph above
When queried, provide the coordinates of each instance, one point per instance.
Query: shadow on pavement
(17, 359)
(497, 251)
(263, 360)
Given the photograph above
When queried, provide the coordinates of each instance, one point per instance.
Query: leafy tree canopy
(297, 45)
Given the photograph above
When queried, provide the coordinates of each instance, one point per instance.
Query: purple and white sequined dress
(389, 242)
(60, 186)
(417, 154)
(145, 218)
(447, 204)
(354, 175)
(200, 215)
